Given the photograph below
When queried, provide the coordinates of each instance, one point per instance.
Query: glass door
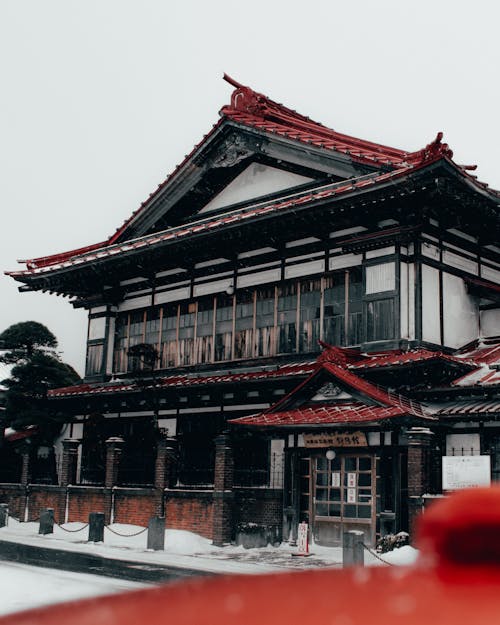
(344, 497)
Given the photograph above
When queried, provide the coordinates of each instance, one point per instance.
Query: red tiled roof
(393, 405)
(343, 414)
(254, 110)
(482, 353)
(465, 408)
(11, 435)
(291, 202)
(395, 359)
(250, 108)
(297, 369)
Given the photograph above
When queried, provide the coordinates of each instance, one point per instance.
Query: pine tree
(30, 347)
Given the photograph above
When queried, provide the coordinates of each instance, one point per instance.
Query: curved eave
(52, 277)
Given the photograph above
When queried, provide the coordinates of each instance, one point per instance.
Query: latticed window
(264, 322)
(310, 315)
(224, 328)
(287, 319)
(244, 325)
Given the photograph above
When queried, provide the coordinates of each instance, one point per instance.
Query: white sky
(102, 98)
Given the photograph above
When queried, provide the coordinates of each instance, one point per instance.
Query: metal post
(4, 514)
(96, 527)
(352, 549)
(46, 521)
(156, 533)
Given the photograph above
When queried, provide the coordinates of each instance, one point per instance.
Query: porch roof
(336, 414)
(128, 386)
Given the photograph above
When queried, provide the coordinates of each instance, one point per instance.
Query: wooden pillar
(223, 491)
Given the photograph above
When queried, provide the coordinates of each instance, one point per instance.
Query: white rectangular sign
(465, 472)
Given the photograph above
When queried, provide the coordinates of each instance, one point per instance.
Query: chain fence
(144, 529)
(65, 529)
(375, 555)
(85, 526)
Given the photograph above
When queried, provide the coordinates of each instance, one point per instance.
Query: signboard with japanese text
(336, 479)
(350, 439)
(303, 538)
(351, 495)
(466, 471)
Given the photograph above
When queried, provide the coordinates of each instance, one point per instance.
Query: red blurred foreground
(456, 580)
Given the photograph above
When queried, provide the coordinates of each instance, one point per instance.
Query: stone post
(223, 490)
(114, 448)
(352, 549)
(4, 514)
(419, 446)
(156, 533)
(46, 521)
(67, 474)
(96, 527)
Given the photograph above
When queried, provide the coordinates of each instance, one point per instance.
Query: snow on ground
(185, 549)
(26, 586)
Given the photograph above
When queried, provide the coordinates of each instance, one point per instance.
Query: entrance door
(343, 497)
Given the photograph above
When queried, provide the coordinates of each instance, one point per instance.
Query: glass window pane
(321, 463)
(335, 494)
(350, 511)
(350, 464)
(364, 512)
(322, 479)
(365, 464)
(322, 509)
(335, 509)
(364, 479)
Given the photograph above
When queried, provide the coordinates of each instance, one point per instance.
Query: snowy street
(25, 587)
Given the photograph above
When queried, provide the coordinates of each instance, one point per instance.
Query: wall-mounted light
(230, 289)
(330, 454)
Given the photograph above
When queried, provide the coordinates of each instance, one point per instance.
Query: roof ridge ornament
(433, 150)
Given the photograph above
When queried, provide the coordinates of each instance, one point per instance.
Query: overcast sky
(100, 99)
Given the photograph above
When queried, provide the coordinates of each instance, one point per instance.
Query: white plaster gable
(254, 182)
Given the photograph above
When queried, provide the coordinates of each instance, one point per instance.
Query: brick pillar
(165, 470)
(419, 478)
(25, 467)
(114, 447)
(166, 462)
(67, 472)
(223, 491)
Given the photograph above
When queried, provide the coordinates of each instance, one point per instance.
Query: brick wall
(45, 496)
(135, 505)
(186, 510)
(86, 499)
(14, 495)
(256, 505)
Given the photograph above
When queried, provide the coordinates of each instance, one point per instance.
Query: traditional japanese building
(296, 325)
